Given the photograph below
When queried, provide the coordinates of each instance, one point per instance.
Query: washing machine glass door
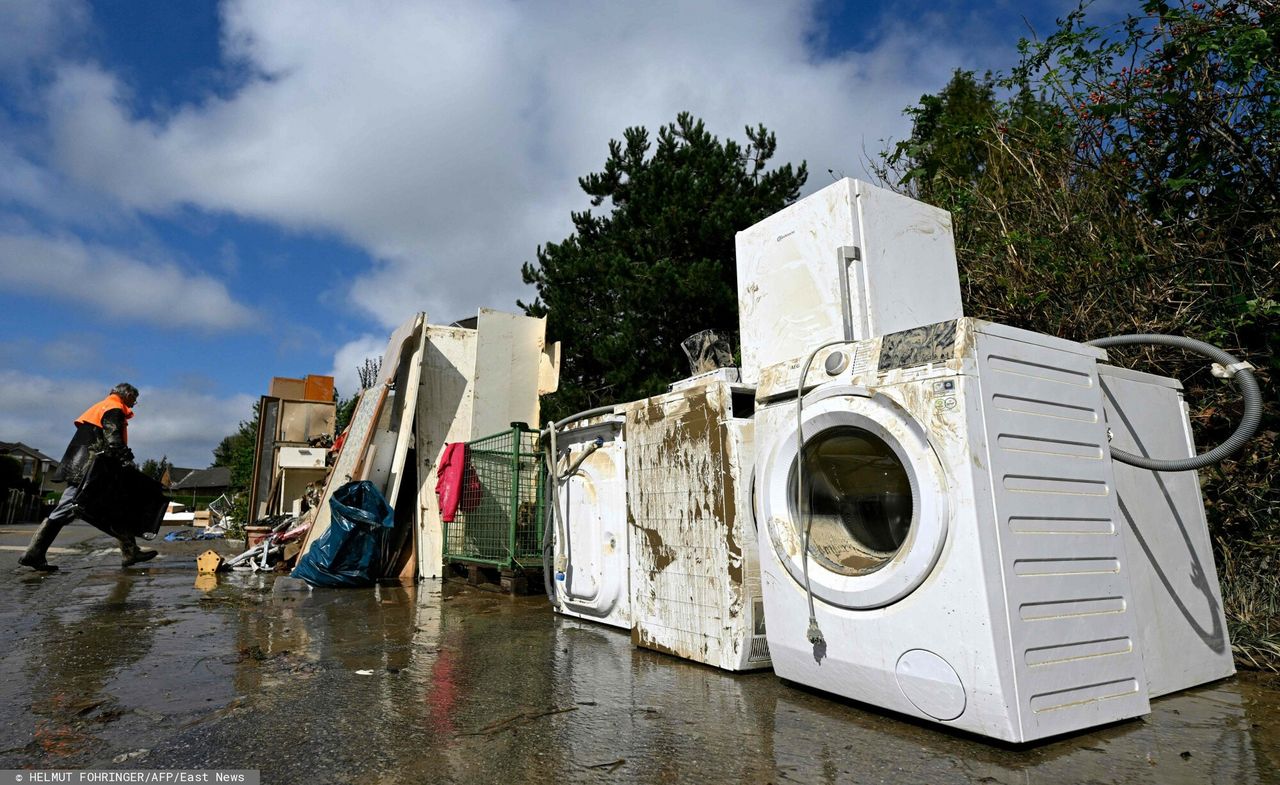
(873, 497)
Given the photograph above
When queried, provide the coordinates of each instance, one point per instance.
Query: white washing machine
(695, 577)
(590, 538)
(966, 560)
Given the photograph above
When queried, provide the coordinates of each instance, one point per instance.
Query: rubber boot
(40, 542)
(132, 554)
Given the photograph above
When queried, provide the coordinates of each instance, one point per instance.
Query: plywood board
(285, 387)
(395, 345)
(318, 388)
(508, 371)
(350, 457)
(407, 380)
(396, 422)
(444, 408)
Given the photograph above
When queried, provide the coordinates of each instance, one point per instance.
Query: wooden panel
(284, 387)
(396, 423)
(395, 345)
(264, 457)
(318, 388)
(444, 408)
(407, 380)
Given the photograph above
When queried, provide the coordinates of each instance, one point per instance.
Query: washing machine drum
(873, 498)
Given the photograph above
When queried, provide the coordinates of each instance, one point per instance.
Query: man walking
(104, 427)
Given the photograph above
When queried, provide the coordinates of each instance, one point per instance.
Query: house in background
(201, 486)
(174, 475)
(36, 466)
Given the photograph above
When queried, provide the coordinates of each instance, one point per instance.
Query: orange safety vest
(93, 415)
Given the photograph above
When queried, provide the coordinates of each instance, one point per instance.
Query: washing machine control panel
(944, 395)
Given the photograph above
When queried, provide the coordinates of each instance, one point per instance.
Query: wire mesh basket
(500, 514)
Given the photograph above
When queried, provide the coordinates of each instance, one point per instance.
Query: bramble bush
(1121, 179)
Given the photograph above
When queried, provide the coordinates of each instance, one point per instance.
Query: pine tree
(628, 285)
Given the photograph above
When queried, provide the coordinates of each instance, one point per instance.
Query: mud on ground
(109, 668)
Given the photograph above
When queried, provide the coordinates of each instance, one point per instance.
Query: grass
(1251, 598)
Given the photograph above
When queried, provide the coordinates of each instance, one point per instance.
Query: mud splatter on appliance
(695, 583)
(965, 522)
(964, 557)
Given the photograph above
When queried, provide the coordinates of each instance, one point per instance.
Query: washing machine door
(873, 496)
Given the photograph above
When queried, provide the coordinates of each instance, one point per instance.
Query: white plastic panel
(593, 506)
(1036, 399)
(509, 371)
(1176, 598)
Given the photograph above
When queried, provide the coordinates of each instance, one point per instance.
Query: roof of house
(8, 447)
(213, 477)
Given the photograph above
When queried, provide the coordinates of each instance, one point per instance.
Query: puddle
(453, 684)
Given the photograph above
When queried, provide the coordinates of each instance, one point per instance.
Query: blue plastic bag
(351, 552)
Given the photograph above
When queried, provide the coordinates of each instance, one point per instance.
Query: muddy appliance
(590, 553)
(695, 581)
(963, 562)
(988, 540)
(851, 261)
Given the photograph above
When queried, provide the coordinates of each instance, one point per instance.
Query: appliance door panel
(873, 498)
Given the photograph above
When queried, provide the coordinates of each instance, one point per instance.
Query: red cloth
(457, 484)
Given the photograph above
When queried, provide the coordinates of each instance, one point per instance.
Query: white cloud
(447, 138)
(119, 286)
(32, 185)
(33, 30)
(183, 425)
(350, 357)
(39, 411)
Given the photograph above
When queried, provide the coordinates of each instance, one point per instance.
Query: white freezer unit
(852, 262)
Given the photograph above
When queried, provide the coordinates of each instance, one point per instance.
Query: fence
(18, 506)
(499, 520)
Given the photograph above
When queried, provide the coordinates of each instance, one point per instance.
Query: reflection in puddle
(469, 686)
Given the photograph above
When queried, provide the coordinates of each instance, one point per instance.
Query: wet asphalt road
(108, 668)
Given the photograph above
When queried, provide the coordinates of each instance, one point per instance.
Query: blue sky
(196, 197)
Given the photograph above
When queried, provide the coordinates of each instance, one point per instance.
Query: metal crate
(500, 515)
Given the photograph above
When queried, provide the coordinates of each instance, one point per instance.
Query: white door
(873, 498)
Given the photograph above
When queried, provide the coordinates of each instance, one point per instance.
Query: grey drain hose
(1239, 372)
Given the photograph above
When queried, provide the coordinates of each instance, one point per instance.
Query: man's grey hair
(125, 390)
